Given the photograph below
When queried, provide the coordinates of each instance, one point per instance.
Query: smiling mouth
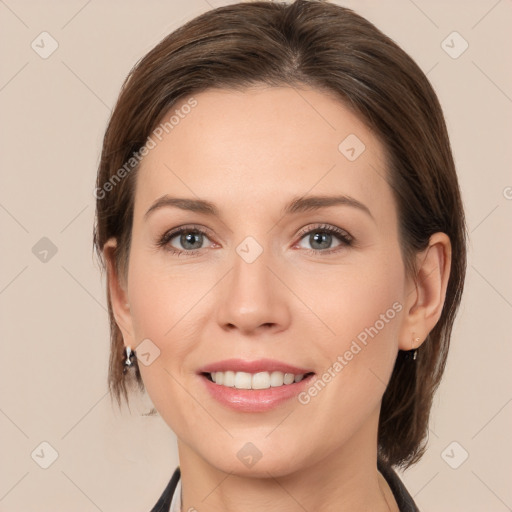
(259, 380)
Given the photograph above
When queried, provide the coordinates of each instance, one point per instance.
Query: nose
(253, 299)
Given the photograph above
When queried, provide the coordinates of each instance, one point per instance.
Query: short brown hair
(328, 47)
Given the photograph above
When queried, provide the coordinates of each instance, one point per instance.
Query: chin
(256, 458)
(261, 469)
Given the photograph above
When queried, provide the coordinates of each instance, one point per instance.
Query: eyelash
(345, 238)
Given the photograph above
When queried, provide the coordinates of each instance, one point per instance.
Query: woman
(280, 219)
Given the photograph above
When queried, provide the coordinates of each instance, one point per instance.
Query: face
(266, 280)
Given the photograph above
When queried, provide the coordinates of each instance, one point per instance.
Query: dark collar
(164, 502)
(402, 496)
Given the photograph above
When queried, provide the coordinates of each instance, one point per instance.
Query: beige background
(54, 330)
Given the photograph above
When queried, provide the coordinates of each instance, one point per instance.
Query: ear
(426, 292)
(118, 294)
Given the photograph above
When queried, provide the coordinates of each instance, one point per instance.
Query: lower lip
(254, 400)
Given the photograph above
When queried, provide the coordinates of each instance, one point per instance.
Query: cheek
(159, 297)
(164, 308)
(349, 301)
(362, 308)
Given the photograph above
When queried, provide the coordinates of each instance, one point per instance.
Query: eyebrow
(297, 205)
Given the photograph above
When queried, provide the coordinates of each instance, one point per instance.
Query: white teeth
(260, 380)
(289, 378)
(243, 380)
(276, 379)
(228, 379)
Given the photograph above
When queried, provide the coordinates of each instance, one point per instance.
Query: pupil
(189, 239)
(320, 238)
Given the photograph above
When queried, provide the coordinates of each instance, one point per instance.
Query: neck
(345, 480)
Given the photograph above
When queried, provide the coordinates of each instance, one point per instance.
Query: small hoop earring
(415, 353)
(412, 354)
(128, 363)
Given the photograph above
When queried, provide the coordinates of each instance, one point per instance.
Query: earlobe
(118, 293)
(426, 299)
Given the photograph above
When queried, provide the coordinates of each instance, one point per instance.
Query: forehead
(249, 147)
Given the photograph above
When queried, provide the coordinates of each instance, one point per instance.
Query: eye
(189, 240)
(186, 239)
(321, 239)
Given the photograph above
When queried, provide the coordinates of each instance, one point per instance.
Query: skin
(250, 153)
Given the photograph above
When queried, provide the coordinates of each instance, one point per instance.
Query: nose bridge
(252, 297)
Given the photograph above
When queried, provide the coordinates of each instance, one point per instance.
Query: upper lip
(260, 365)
